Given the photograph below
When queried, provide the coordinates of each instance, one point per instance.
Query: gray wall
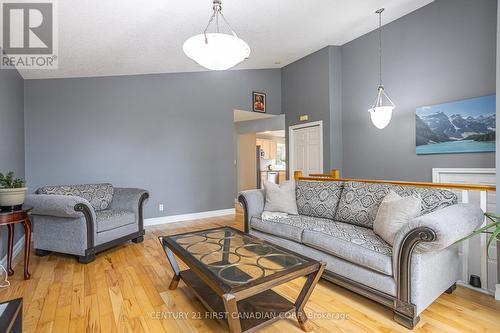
(169, 133)
(498, 137)
(442, 52)
(11, 134)
(311, 86)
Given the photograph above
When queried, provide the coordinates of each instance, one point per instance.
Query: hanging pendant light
(381, 111)
(216, 50)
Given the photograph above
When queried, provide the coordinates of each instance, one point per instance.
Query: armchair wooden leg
(451, 289)
(86, 259)
(139, 239)
(42, 253)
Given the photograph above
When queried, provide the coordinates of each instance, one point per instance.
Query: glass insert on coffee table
(232, 274)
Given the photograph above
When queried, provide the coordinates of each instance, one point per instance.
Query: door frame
(291, 142)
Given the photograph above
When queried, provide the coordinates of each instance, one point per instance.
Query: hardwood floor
(126, 290)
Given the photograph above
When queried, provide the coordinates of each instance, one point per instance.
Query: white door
(306, 149)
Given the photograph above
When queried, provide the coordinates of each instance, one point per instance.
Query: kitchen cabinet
(269, 147)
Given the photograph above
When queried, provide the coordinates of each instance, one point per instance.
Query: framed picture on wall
(466, 126)
(259, 102)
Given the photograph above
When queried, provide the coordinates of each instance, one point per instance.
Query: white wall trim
(497, 292)
(187, 217)
(291, 143)
(16, 249)
(436, 172)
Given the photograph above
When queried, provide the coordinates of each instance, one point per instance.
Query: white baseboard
(466, 285)
(497, 292)
(187, 217)
(16, 249)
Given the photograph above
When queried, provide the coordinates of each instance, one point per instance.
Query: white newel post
(497, 289)
(465, 246)
(483, 202)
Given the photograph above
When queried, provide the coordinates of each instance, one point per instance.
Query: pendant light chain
(381, 112)
(380, 45)
(217, 7)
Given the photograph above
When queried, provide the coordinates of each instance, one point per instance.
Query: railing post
(297, 175)
(335, 173)
(465, 246)
(483, 203)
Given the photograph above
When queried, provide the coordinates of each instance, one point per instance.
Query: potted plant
(12, 190)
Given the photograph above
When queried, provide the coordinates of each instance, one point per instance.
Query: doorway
(260, 151)
(306, 148)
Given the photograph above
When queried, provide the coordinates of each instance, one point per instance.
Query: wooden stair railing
(297, 175)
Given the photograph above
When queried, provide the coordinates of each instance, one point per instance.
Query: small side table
(11, 218)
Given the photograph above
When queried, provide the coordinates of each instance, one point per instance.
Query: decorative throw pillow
(99, 195)
(394, 212)
(280, 198)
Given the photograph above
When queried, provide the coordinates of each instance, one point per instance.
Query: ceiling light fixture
(381, 111)
(216, 50)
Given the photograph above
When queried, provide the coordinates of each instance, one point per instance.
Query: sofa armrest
(131, 199)
(430, 233)
(128, 198)
(59, 205)
(252, 202)
(449, 225)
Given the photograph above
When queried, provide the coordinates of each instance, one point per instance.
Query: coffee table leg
(175, 268)
(233, 319)
(305, 293)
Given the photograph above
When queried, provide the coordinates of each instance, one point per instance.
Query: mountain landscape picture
(465, 126)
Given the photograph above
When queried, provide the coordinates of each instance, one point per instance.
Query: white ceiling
(240, 115)
(120, 37)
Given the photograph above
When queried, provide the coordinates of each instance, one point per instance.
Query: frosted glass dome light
(216, 50)
(381, 111)
(381, 116)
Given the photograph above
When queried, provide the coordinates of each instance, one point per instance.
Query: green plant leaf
(493, 237)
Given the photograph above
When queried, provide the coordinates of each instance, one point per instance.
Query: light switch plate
(161, 207)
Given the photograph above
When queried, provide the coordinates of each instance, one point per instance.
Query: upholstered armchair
(83, 220)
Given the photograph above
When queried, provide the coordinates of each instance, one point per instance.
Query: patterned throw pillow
(99, 195)
(318, 199)
(360, 201)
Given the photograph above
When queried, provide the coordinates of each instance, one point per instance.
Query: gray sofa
(83, 220)
(335, 225)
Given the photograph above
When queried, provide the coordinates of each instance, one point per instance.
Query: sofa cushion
(350, 242)
(290, 227)
(113, 218)
(99, 195)
(280, 198)
(360, 201)
(318, 199)
(394, 213)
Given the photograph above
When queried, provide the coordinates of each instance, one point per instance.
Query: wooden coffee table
(232, 273)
